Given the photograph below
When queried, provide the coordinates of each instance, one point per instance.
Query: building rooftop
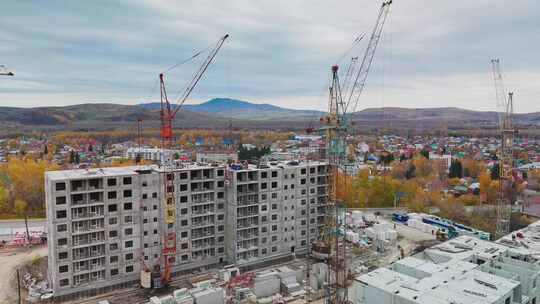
(421, 281)
(465, 248)
(276, 165)
(525, 242)
(97, 172)
(462, 270)
(125, 170)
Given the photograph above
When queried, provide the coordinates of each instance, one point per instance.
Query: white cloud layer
(433, 53)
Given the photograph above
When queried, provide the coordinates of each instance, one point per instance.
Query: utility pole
(26, 224)
(19, 286)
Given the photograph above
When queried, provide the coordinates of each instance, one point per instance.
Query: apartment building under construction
(107, 225)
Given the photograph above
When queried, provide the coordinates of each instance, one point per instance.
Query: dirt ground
(9, 262)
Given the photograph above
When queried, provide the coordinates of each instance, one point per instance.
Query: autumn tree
(472, 168)
(26, 182)
(485, 182)
(21, 207)
(422, 166)
(3, 199)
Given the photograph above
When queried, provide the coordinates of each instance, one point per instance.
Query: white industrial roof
(453, 282)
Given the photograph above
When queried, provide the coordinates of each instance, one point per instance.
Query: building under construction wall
(110, 227)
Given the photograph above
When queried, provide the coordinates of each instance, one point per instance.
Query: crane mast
(167, 115)
(505, 109)
(367, 60)
(330, 247)
(336, 129)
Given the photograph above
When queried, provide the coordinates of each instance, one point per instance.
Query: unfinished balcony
(95, 184)
(201, 233)
(84, 213)
(247, 212)
(202, 198)
(203, 254)
(202, 244)
(247, 189)
(78, 185)
(202, 210)
(78, 199)
(247, 177)
(250, 234)
(243, 246)
(246, 223)
(247, 200)
(202, 186)
(203, 221)
(88, 252)
(93, 225)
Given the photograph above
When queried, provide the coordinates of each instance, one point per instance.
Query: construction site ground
(14, 258)
(10, 260)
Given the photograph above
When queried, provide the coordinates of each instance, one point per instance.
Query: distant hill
(220, 112)
(451, 117)
(238, 109)
(90, 116)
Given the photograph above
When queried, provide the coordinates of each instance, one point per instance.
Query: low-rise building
(462, 270)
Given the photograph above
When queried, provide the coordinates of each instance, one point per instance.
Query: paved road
(20, 223)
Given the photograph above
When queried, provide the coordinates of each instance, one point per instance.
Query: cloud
(433, 53)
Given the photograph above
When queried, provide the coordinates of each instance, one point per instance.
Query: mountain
(90, 116)
(219, 113)
(452, 117)
(238, 109)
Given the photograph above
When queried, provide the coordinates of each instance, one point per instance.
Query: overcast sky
(433, 53)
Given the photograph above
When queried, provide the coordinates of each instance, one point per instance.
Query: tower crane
(505, 110)
(337, 125)
(348, 74)
(167, 114)
(5, 72)
(367, 60)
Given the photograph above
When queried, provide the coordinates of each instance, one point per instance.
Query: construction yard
(11, 260)
(283, 282)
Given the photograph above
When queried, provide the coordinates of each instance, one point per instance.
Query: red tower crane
(168, 112)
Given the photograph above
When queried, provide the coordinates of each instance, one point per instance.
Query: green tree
(495, 172)
(402, 157)
(71, 157)
(456, 169)
(386, 158)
